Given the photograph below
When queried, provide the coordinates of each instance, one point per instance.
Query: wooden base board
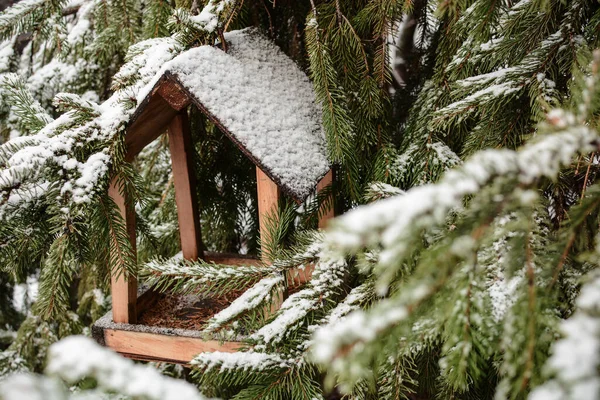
(178, 346)
(167, 348)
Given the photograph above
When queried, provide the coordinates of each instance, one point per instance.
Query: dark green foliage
(409, 90)
(30, 16)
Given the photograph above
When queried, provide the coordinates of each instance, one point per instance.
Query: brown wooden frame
(166, 109)
(160, 347)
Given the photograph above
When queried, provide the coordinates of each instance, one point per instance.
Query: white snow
(352, 302)
(491, 44)
(502, 294)
(392, 222)
(208, 18)
(90, 172)
(444, 155)
(292, 312)
(575, 358)
(54, 144)
(83, 24)
(380, 190)
(486, 78)
(99, 297)
(327, 278)
(77, 357)
(500, 286)
(6, 54)
(252, 298)
(30, 387)
(54, 77)
(24, 294)
(245, 361)
(265, 101)
(480, 96)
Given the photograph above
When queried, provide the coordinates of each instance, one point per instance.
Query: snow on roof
(263, 102)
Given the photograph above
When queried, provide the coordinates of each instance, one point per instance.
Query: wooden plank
(148, 125)
(268, 204)
(184, 179)
(150, 346)
(173, 94)
(124, 288)
(326, 211)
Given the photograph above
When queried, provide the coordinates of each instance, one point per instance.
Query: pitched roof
(262, 100)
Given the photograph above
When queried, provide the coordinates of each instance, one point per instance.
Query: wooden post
(124, 288)
(184, 179)
(268, 204)
(327, 211)
(298, 276)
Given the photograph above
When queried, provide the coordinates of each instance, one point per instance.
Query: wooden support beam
(184, 179)
(268, 205)
(327, 211)
(124, 288)
(148, 125)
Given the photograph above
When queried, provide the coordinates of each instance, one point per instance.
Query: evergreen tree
(470, 125)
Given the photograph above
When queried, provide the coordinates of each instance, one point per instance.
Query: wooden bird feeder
(265, 105)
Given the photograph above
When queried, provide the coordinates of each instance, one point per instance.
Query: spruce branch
(111, 227)
(569, 378)
(412, 297)
(254, 304)
(33, 116)
(326, 284)
(58, 271)
(279, 224)
(27, 16)
(181, 276)
(336, 116)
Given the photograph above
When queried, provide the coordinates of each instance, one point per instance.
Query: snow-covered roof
(262, 100)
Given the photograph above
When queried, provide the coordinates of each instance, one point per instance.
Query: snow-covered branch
(77, 357)
(576, 357)
(392, 222)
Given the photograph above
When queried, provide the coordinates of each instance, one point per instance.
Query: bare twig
(587, 174)
(222, 39)
(166, 192)
(194, 9)
(338, 12)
